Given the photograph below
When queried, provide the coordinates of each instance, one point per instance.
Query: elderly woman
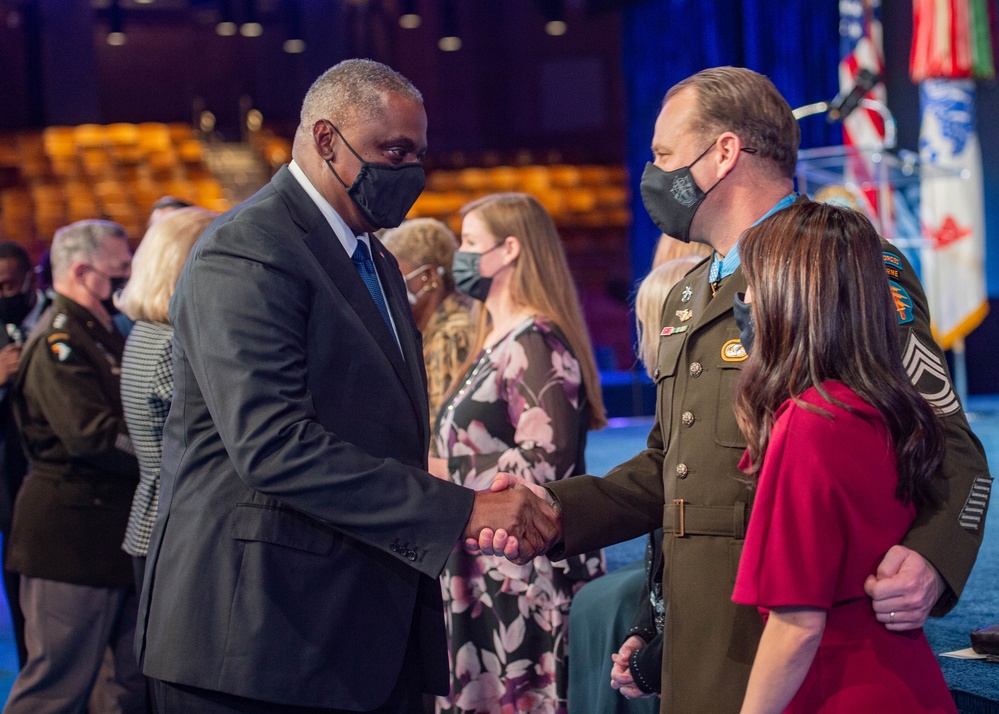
(527, 395)
(424, 248)
(147, 365)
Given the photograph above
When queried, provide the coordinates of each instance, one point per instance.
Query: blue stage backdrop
(795, 43)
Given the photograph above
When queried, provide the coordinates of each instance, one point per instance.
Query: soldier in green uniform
(70, 515)
(725, 148)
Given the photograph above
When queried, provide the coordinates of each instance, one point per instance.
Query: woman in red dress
(843, 450)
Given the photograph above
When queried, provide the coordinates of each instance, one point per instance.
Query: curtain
(794, 42)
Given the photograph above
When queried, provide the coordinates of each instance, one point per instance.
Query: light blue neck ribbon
(723, 267)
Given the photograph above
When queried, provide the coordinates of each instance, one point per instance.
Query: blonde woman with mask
(527, 396)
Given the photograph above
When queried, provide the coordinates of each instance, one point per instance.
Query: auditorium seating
(62, 174)
(589, 203)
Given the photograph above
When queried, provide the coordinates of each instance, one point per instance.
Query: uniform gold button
(696, 369)
(681, 470)
(687, 418)
(655, 375)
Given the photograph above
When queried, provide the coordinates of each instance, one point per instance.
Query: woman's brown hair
(823, 311)
(541, 282)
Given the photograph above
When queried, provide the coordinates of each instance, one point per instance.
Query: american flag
(861, 47)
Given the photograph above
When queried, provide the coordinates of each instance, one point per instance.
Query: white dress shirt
(343, 232)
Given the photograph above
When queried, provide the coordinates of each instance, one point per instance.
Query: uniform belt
(683, 519)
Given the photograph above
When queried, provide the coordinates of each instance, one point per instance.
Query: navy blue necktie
(366, 269)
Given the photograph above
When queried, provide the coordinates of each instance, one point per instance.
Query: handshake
(513, 519)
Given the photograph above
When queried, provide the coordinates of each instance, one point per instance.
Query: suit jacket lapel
(402, 315)
(325, 246)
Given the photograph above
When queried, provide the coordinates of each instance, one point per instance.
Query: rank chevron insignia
(927, 374)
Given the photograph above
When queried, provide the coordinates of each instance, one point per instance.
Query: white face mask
(428, 282)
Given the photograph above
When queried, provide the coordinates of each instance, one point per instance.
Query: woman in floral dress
(528, 395)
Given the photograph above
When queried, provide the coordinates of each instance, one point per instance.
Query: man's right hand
(518, 521)
(498, 541)
(9, 357)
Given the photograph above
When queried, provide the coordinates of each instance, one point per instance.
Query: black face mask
(467, 275)
(383, 193)
(744, 319)
(117, 283)
(15, 308)
(673, 197)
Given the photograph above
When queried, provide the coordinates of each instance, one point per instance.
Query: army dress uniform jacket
(688, 481)
(70, 516)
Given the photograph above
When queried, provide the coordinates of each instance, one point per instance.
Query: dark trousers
(12, 588)
(406, 696)
(80, 650)
(181, 699)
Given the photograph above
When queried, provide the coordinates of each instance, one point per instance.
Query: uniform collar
(721, 268)
(78, 313)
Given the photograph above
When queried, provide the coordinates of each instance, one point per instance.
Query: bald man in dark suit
(294, 563)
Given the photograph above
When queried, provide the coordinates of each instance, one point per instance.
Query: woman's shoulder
(540, 328)
(148, 339)
(149, 333)
(829, 403)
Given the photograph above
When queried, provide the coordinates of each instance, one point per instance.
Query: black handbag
(986, 640)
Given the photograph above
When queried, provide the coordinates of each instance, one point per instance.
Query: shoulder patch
(58, 337)
(59, 321)
(60, 351)
(903, 303)
(733, 351)
(893, 265)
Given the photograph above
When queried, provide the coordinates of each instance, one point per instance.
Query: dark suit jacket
(299, 536)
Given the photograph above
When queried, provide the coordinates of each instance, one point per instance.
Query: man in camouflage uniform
(70, 516)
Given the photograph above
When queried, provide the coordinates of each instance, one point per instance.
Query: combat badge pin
(684, 315)
(733, 351)
(687, 293)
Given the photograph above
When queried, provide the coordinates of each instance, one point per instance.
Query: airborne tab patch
(893, 265)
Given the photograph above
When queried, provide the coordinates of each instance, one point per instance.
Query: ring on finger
(891, 617)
